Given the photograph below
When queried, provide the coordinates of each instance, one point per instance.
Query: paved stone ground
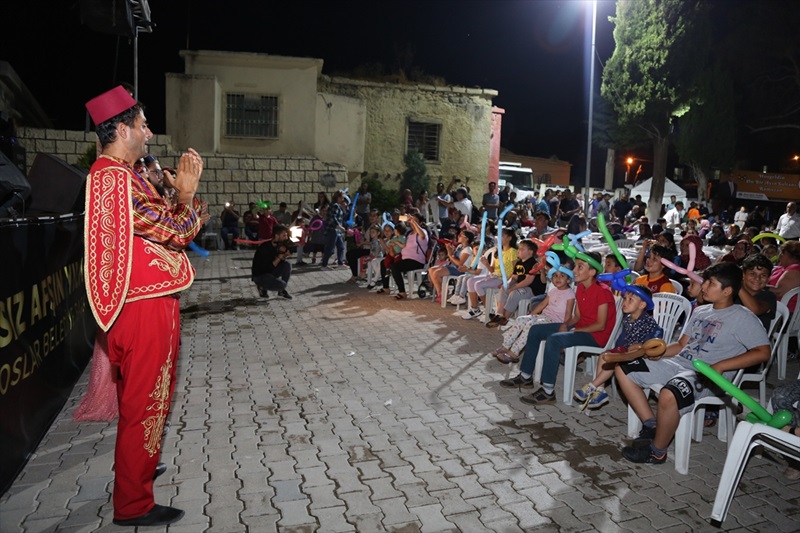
(343, 410)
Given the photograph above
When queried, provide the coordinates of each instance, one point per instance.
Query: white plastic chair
(571, 357)
(461, 282)
(678, 287)
(491, 296)
(668, 310)
(777, 330)
(212, 232)
(625, 243)
(446, 286)
(792, 330)
(747, 437)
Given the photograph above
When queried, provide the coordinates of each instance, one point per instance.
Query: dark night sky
(534, 52)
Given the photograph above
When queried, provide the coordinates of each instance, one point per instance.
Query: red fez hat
(109, 104)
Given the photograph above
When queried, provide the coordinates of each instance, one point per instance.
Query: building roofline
(453, 89)
(251, 59)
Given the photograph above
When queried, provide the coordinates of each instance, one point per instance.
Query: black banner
(46, 330)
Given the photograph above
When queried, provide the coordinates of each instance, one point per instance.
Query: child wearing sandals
(376, 254)
(554, 309)
(638, 326)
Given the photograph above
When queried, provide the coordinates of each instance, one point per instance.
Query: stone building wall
(465, 116)
(226, 177)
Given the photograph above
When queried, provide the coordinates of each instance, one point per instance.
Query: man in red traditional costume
(135, 268)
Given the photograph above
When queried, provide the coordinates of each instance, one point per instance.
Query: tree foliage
(706, 133)
(415, 176)
(649, 78)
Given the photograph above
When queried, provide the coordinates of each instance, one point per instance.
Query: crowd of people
(733, 295)
(136, 267)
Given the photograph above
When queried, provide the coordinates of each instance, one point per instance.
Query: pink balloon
(692, 256)
(689, 270)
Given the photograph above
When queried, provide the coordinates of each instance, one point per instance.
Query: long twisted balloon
(759, 414)
(500, 244)
(689, 270)
(483, 240)
(601, 224)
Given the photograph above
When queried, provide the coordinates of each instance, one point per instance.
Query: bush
(415, 176)
(382, 199)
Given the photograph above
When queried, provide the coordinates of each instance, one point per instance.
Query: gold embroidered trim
(154, 424)
(165, 261)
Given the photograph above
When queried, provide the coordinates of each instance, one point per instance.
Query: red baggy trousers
(144, 343)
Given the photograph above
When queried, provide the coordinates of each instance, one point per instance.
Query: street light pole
(587, 197)
(628, 163)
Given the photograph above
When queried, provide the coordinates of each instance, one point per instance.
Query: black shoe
(646, 436)
(284, 294)
(263, 293)
(517, 382)
(165, 430)
(159, 515)
(160, 469)
(540, 397)
(642, 455)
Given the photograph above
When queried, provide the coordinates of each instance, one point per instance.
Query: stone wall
(465, 115)
(226, 177)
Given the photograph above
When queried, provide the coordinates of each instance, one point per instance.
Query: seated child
(654, 277)
(441, 257)
(591, 325)
(457, 254)
(483, 267)
(611, 265)
(637, 326)
(521, 284)
(556, 308)
(724, 335)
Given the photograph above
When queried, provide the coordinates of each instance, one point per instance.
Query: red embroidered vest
(120, 266)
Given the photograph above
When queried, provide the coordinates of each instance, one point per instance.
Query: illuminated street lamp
(587, 197)
(628, 163)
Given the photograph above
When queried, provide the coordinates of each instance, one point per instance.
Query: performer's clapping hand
(190, 167)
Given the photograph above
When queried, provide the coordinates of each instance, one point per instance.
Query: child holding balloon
(638, 326)
(556, 308)
(721, 334)
(654, 278)
(591, 325)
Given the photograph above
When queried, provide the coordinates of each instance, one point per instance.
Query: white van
(518, 177)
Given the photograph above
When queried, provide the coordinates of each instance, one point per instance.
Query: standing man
(671, 204)
(552, 203)
(443, 201)
(491, 201)
(604, 206)
(789, 224)
(135, 268)
(335, 230)
(544, 203)
(621, 207)
(674, 216)
(362, 205)
(569, 206)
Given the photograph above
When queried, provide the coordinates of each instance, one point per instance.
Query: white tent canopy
(670, 189)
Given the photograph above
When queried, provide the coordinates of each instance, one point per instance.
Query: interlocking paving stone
(281, 421)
